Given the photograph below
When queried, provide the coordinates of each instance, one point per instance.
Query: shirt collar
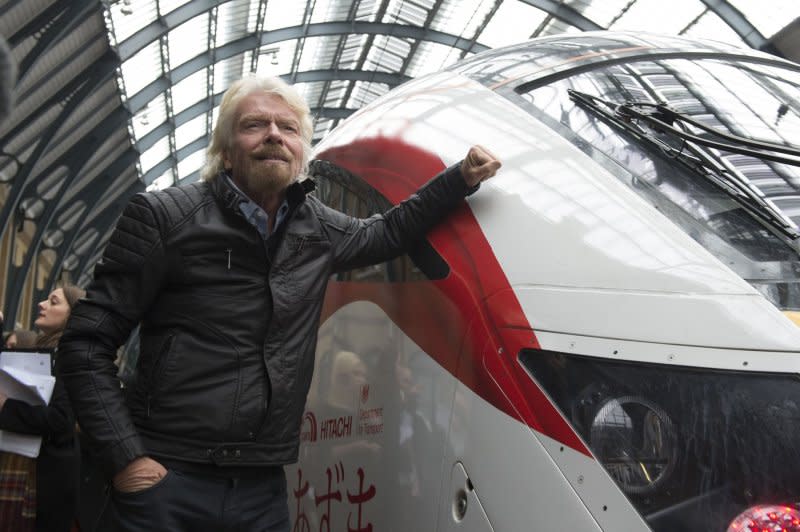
(254, 214)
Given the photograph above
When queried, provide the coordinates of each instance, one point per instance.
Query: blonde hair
(222, 136)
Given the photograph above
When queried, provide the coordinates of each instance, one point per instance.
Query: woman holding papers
(41, 493)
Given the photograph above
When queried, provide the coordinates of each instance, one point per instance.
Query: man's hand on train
(479, 164)
(139, 475)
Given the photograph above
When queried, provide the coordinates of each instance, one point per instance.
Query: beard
(256, 176)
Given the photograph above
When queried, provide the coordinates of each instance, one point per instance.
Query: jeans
(188, 502)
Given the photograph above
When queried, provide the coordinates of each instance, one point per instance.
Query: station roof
(115, 97)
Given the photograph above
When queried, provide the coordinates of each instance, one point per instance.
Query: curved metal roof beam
(565, 13)
(736, 20)
(140, 99)
(168, 162)
(102, 220)
(22, 181)
(103, 68)
(163, 129)
(84, 271)
(162, 25)
(334, 113)
(392, 79)
(75, 159)
(66, 22)
(136, 42)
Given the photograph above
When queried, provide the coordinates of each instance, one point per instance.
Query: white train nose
(596, 338)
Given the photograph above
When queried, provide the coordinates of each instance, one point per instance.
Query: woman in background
(41, 493)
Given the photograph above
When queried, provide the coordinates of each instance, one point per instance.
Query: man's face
(267, 150)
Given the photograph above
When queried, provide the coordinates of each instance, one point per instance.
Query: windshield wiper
(692, 154)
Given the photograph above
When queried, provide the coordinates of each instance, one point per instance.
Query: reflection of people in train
(42, 493)
(339, 448)
(409, 425)
(348, 375)
(412, 440)
(227, 277)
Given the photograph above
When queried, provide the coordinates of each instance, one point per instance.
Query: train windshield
(692, 448)
(743, 206)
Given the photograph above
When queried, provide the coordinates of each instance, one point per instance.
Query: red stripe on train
(471, 323)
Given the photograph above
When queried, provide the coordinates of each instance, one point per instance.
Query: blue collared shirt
(256, 216)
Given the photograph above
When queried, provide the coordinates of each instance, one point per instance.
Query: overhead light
(144, 115)
(273, 52)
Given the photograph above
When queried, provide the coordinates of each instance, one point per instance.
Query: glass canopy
(178, 57)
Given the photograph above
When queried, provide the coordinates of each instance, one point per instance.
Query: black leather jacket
(228, 326)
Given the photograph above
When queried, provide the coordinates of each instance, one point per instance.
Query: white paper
(26, 377)
(32, 362)
(33, 388)
(23, 444)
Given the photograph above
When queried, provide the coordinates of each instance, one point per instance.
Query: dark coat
(228, 321)
(58, 464)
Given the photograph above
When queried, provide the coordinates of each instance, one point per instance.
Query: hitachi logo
(337, 427)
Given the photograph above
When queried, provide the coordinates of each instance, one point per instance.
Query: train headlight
(692, 448)
(635, 439)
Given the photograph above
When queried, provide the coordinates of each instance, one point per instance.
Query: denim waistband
(215, 471)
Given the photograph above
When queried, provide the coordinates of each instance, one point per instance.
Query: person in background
(41, 493)
(21, 339)
(227, 278)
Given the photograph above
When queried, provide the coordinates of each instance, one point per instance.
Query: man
(227, 277)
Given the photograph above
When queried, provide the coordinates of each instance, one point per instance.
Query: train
(605, 336)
